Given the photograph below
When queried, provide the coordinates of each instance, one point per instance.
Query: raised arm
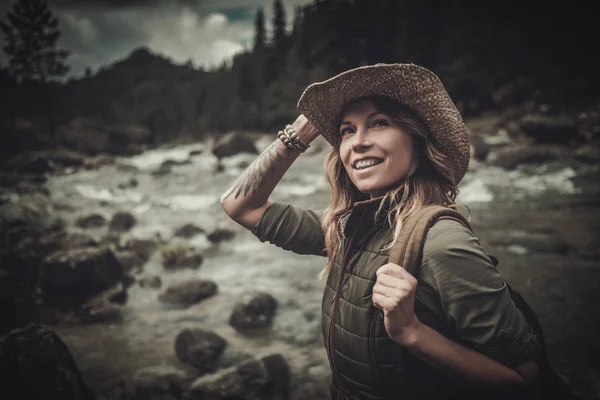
(248, 198)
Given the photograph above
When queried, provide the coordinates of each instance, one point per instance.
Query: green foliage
(478, 49)
(31, 33)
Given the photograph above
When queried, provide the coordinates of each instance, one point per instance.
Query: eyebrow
(368, 117)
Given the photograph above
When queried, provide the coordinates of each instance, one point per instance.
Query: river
(553, 203)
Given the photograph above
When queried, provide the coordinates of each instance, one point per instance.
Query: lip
(365, 158)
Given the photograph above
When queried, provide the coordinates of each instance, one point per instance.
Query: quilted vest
(365, 362)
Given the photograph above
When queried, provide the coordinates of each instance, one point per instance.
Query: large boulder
(160, 382)
(130, 260)
(199, 348)
(40, 162)
(512, 157)
(90, 221)
(188, 231)
(80, 273)
(221, 234)
(28, 217)
(142, 247)
(53, 241)
(150, 281)
(233, 143)
(253, 310)
(264, 378)
(178, 256)
(122, 221)
(479, 147)
(550, 129)
(37, 365)
(189, 292)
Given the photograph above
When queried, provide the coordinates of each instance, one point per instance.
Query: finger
(396, 271)
(384, 303)
(391, 269)
(393, 292)
(393, 282)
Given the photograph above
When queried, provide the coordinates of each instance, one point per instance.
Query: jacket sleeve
(474, 298)
(291, 228)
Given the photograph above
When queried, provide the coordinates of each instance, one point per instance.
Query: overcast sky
(99, 32)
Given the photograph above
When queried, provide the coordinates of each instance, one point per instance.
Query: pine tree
(31, 34)
(259, 30)
(279, 33)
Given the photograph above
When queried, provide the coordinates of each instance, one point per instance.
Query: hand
(394, 294)
(304, 129)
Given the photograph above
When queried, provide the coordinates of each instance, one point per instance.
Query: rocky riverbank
(155, 292)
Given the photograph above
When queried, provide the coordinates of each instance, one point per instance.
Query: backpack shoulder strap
(408, 248)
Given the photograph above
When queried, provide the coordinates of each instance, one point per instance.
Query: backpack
(407, 252)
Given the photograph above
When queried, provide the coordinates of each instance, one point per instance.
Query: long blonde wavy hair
(431, 183)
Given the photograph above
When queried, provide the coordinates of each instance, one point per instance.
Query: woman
(398, 143)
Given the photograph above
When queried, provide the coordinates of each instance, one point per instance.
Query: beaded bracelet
(291, 140)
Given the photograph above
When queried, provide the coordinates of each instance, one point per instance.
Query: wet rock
(199, 348)
(176, 257)
(195, 152)
(98, 161)
(479, 147)
(90, 221)
(127, 168)
(152, 282)
(160, 382)
(131, 183)
(142, 247)
(316, 386)
(234, 143)
(11, 179)
(164, 169)
(264, 378)
(80, 273)
(172, 163)
(41, 162)
(231, 357)
(588, 154)
(253, 310)
(542, 128)
(54, 241)
(36, 364)
(130, 260)
(30, 211)
(102, 314)
(122, 221)
(511, 157)
(188, 230)
(189, 292)
(221, 234)
(128, 280)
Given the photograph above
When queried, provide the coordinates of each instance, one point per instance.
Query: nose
(360, 140)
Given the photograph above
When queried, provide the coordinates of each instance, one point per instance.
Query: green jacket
(460, 293)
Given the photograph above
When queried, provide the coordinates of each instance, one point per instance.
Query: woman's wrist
(304, 129)
(409, 336)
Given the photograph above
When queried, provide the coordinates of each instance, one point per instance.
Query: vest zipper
(372, 342)
(336, 298)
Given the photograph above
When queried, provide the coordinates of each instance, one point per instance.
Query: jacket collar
(364, 211)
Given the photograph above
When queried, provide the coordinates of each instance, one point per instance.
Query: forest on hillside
(490, 55)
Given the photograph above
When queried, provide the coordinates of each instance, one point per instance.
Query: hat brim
(413, 86)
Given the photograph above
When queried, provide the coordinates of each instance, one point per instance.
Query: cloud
(207, 32)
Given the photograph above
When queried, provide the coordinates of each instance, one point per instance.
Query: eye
(380, 122)
(345, 131)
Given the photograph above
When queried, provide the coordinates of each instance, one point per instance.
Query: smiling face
(376, 152)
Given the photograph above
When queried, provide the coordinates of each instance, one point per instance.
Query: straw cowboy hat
(413, 86)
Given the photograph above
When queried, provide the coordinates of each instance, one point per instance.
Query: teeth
(365, 163)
